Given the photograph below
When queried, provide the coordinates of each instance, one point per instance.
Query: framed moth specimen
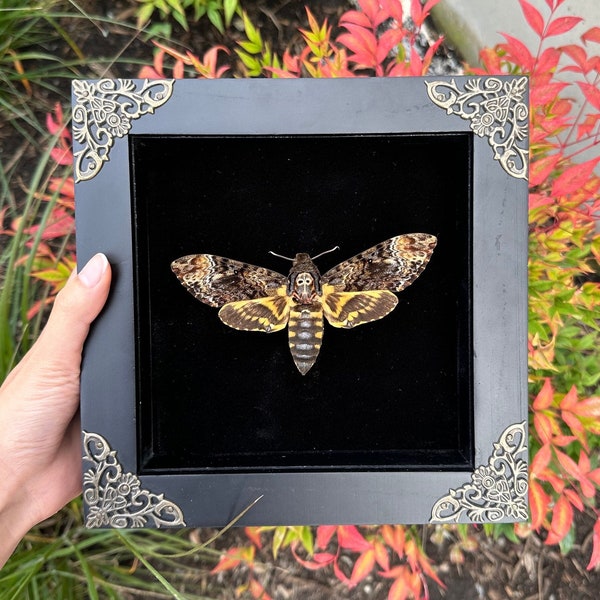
(392, 381)
(355, 292)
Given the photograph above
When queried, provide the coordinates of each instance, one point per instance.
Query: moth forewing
(390, 265)
(216, 280)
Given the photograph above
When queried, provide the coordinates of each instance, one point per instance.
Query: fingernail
(94, 269)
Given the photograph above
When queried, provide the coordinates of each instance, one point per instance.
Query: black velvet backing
(396, 393)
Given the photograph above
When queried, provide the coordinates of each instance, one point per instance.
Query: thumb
(75, 307)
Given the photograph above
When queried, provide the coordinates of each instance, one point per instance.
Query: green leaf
(251, 32)
(180, 18)
(214, 16)
(144, 13)
(306, 537)
(229, 9)
(176, 6)
(250, 47)
(278, 538)
(251, 63)
(567, 543)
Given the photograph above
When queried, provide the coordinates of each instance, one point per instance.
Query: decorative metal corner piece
(104, 110)
(116, 499)
(497, 492)
(496, 110)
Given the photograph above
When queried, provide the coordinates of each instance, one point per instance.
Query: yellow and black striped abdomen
(305, 330)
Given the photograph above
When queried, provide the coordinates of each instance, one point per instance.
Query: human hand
(40, 433)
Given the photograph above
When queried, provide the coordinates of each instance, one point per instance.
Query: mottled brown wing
(391, 265)
(216, 281)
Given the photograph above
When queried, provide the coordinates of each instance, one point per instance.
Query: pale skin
(40, 433)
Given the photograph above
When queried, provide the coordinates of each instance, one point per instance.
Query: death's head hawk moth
(358, 290)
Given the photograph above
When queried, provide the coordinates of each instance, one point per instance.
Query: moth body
(358, 290)
(305, 333)
(305, 323)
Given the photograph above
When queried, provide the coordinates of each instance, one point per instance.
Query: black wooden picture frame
(418, 417)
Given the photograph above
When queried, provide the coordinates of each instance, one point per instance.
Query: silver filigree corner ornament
(496, 110)
(497, 491)
(103, 110)
(116, 499)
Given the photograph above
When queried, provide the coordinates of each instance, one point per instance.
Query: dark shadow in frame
(391, 394)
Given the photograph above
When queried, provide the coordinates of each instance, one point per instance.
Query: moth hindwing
(358, 290)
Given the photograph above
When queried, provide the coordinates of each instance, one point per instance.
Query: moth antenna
(281, 256)
(326, 252)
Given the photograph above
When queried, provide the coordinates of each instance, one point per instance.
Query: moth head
(304, 287)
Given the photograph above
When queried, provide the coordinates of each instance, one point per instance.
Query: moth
(358, 290)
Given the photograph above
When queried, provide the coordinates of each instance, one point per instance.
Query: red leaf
(394, 536)
(574, 499)
(491, 60)
(229, 560)
(573, 178)
(573, 422)
(416, 64)
(585, 129)
(569, 400)
(354, 17)
(540, 170)
(363, 566)
(381, 555)
(363, 43)
(541, 460)
(533, 16)
(588, 408)
(340, 574)
(320, 560)
(591, 93)
(427, 8)
(350, 538)
(520, 53)
(253, 534)
(543, 427)
(578, 55)
(430, 54)
(393, 8)
(545, 397)
(37, 306)
(562, 519)
(547, 62)
(324, 533)
(538, 503)
(371, 10)
(258, 591)
(545, 94)
(568, 464)
(388, 40)
(592, 35)
(556, 481)
(562, 25)
(400, 588)
(595, 558)
(563, 440)
(416, 12)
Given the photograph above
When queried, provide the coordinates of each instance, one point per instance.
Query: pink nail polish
(93, 270)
